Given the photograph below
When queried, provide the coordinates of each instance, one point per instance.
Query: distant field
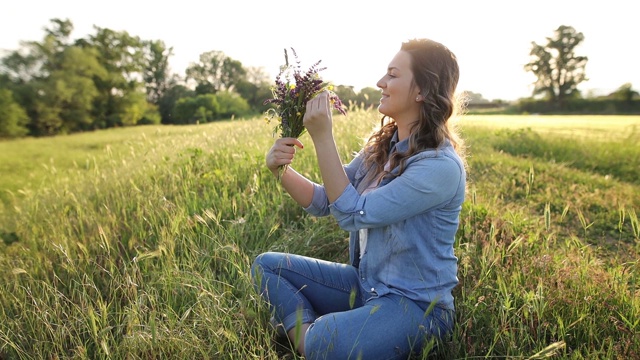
(28, 164)
(24, 164)
(602, 127)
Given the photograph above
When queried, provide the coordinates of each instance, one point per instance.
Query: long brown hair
(435, 73)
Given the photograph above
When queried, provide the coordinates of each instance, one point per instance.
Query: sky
(355, 40)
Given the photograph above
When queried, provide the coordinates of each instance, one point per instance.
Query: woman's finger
(289, 141)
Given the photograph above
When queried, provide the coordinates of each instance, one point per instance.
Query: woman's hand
(282, 153)
(317, 118)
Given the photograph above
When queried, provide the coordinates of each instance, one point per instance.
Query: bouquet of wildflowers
(292, 90)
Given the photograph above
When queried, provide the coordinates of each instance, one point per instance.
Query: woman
(400, 199)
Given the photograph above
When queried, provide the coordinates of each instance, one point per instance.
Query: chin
(382, 110)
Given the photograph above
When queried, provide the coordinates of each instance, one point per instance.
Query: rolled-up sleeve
(347, 206)
(320, 203)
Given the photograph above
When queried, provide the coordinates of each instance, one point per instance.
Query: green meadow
(136, 243)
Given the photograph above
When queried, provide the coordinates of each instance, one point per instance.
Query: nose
(381, 83)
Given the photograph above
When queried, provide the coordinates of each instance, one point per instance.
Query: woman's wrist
(323, 139)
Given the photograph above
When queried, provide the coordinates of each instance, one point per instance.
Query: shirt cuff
(348, 204)
(319, 203)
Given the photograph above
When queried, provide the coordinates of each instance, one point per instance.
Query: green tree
(369, 97)
(232, 72)
(54, 81)
(130, 109)
(20, 66)
(168, 101)
(624, 93)
(199, 109)
(122, 56)
(150, 116)
(255, 87)
(13, 118)
(557, 68)
(215, 72)
(29, 69)
(231, 105)
(156, 73)
(17, 71)
(95, 82)
(346, 94)
(72, 90)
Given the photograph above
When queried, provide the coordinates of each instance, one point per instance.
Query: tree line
(113, 79)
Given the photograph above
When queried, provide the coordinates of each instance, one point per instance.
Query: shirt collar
(395, 145)
(403, 146)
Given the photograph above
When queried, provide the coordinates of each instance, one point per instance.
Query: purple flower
(292, 90)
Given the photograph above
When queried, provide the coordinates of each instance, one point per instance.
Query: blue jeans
(347, 322)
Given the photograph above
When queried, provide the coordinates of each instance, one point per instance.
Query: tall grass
(140, 247)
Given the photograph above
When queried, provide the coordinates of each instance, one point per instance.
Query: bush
(13, 118)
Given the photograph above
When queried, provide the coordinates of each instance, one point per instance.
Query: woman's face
(399, 92)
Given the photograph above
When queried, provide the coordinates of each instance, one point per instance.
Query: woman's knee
(265, 262)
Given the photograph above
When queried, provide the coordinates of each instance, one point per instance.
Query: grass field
(591, 126)
(136, 243)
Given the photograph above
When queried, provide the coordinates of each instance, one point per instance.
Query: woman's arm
(427, 183)
(318, 122)
(299, 187)
(281, 154)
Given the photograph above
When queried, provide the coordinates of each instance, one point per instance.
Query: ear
(419, 98)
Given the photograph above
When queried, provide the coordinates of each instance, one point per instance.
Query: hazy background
(356, 39)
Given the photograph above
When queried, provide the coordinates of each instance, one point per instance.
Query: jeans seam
(280, 268)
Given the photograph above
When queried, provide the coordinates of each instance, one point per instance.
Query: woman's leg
(299, 289)
(390, 327)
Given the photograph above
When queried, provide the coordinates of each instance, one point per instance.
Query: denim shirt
(411, 219)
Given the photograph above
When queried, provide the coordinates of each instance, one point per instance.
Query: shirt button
(372, 289)
(361, 212)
